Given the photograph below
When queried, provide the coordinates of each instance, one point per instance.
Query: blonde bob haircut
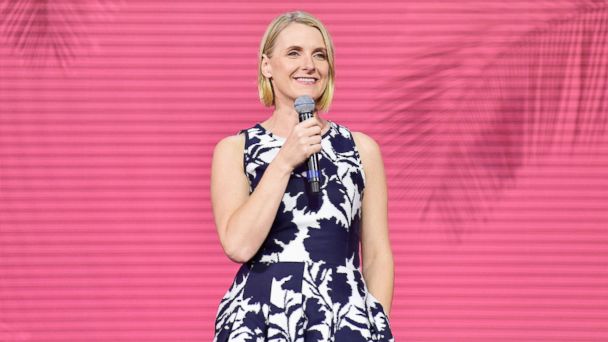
(267, 45)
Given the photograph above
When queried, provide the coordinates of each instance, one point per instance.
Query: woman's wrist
(281, 166)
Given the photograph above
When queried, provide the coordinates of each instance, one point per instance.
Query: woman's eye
(295, 53)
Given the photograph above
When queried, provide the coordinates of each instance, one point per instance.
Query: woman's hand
(303, 140)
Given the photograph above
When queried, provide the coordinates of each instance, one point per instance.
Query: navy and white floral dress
(304, 283)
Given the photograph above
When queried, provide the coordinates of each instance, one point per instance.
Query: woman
(300, 278)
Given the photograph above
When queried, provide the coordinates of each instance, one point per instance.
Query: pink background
(491, 116)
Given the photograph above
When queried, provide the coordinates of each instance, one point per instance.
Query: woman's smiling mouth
(306, 80)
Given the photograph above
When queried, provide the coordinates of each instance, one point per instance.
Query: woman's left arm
(378, 266)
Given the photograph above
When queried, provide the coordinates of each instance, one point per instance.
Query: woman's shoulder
(232, 143)
(365, 142)
(368, 149)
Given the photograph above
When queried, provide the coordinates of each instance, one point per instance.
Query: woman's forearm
(379, 276)
(249, 225)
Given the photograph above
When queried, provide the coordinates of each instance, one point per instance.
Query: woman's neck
(284, 119)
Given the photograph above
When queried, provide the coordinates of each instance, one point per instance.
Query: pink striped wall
(491, 117)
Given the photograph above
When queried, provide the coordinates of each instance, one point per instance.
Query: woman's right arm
(243, 220)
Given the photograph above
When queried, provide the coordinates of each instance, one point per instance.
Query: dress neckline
(276, 137)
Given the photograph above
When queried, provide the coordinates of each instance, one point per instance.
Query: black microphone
(305, 106)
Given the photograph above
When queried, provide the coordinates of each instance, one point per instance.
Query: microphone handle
(312, 174)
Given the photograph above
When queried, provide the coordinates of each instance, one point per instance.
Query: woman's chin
(315, 95)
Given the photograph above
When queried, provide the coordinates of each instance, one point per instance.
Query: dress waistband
(325, 263)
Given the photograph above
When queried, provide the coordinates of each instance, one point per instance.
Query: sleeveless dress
(304, 283)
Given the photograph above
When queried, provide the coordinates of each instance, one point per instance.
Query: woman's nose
(308, 63)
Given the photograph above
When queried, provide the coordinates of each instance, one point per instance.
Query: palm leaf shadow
(46, 32)
(454, 161)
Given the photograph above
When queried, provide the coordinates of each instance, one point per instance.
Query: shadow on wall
(459, 133)
(52, 33)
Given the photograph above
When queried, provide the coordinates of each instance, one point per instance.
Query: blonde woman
(300, 278)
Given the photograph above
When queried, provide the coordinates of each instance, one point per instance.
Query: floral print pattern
(304, 283)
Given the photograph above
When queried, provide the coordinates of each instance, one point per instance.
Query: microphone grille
(304, 104)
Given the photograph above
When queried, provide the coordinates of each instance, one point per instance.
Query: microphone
(305, 106)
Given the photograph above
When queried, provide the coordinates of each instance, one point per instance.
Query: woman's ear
(266, 69)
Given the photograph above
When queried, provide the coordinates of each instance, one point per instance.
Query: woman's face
(298, 65)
